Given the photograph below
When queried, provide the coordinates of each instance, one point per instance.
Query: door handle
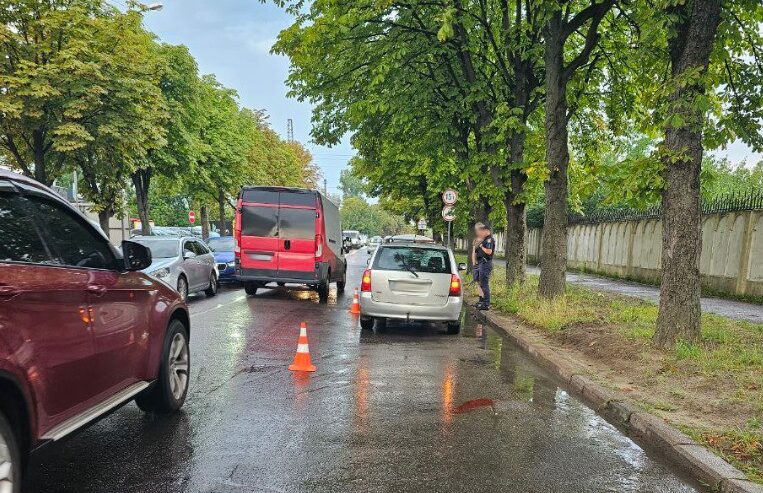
(8, 291)
(287, 244)
(96, 289)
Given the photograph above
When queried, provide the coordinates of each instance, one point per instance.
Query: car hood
(160, 263)
(224, 257)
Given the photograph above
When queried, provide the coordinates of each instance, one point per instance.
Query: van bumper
(291, 276)
(449, 312)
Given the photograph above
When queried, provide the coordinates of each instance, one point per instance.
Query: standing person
(475, 271)
(483, 255)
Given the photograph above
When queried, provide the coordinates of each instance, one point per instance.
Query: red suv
(81, 331)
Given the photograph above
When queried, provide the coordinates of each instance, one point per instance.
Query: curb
(693, 458)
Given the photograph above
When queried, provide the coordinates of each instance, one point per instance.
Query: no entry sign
(191, 217)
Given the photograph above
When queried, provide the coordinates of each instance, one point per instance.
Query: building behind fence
(628, 244)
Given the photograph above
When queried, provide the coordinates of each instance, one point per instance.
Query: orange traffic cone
(302, 358)
(355, 308)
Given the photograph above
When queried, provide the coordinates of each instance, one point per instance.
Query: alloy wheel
(183, 288)
(178, 365)
(6, 467)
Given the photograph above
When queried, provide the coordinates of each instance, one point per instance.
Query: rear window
(402, 258)
(260, 196)
(259, 221)
(297, 223)
(221, 244)
(161, 248)
(298, 198)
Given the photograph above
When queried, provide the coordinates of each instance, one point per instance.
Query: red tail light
(365, 281)
(318, 246)
(455, 285)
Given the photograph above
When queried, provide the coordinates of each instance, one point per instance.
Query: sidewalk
(738, 310)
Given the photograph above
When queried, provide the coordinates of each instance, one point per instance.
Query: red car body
(288, 235)
(74, 337)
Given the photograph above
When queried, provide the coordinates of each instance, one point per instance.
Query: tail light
(365, 281)
(318, 246)
(455, 285)
(237, 229)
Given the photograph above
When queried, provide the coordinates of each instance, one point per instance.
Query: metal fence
(752, 200)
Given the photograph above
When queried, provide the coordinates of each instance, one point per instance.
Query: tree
(350, 184)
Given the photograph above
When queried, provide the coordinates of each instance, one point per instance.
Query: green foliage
(371, 219)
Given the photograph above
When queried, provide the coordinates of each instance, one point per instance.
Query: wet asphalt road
(406, 409)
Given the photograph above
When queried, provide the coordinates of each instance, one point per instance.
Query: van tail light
(455, 285)
(237, 229)
(318, 246)
(365, 281)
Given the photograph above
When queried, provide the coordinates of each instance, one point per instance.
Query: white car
(412, 281)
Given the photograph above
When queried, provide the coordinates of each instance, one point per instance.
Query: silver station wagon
(412, 282)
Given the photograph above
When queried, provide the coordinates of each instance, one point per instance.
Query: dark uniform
(485, 266)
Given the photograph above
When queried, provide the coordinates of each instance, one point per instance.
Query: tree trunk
(553, 261)
(516, 218)
(104, 218)
(204, 222)
(221, 205)
(690, 48)
(141, 180)
(38, 151)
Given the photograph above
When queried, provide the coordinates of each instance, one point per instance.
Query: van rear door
(297, 231)
(259, 231)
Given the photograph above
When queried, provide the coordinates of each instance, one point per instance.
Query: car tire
(323, 291)
(10, 459)
(251, 288)
(182, 287)
(340, 285)
(366, 323)
(454, 327)
(169, 392)
(213, 285)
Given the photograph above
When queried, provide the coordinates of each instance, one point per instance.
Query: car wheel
(323, 291)
(342, 283)
(10, 459)
(168, 393)
(251, 288)
(213, 285)
(183, 288)
(454, 327)
(366, 323)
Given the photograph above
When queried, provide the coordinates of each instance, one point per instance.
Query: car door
(44, 315)
(118, 322)
(296, 235)
(206, 261)
(258, 223)
(189, 265)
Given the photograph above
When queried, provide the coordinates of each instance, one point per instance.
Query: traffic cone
(302, 358)
(355, 308)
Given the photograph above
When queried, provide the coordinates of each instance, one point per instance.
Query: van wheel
(342, 283)
(213, 285)
(323, 291)
(366, 323)
(10, 459)
(251, 288)
(454, 327)
(168, 393)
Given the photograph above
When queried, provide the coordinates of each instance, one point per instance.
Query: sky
(232, 39)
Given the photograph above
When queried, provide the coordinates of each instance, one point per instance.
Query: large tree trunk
(104, 218)
(221, 211)
(690, 48)
(553, 261)
(141, 180)
(204, 222)
(516, 218)
(38, 152)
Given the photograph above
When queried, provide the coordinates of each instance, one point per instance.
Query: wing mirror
(188, 255)
(136, 256)
(461, 266)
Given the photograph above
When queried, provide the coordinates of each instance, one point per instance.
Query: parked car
(82, 330)
(352, 238)
(288, 235)
(223, 249)
(198, 232)
(412, 281)
(374, 242)
(186, 264)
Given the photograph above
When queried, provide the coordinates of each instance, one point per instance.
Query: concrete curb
(649, 429)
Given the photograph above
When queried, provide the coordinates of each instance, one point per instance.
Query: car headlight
(231, 264)
(161, 273)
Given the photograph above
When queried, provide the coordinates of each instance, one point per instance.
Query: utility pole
(325, 188)
(290, 130)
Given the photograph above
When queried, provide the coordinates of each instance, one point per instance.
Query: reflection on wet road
(406, 409)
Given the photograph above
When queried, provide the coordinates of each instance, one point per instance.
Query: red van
(288, 235)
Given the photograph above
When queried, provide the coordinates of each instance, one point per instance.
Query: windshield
(162, 248)
(221, 244)
(351, 234)
(417, 259)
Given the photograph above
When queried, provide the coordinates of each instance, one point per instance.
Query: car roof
(417, 244)
(10, 175)
(163, 237)
(220, 238)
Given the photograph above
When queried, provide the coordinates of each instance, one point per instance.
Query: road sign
(422, 224)
(449, 213)
(191, 217)
(449, 196)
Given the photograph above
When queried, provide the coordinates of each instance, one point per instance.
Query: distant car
(82, 332)
(186, 264)
(409, 238)
(223, 249)
(412, 281)
(374, 242)
(198, 233)
(352, 237)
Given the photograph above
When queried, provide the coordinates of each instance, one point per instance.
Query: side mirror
(188, 255)
(368, 261)
(136, 256)
(461, 266)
